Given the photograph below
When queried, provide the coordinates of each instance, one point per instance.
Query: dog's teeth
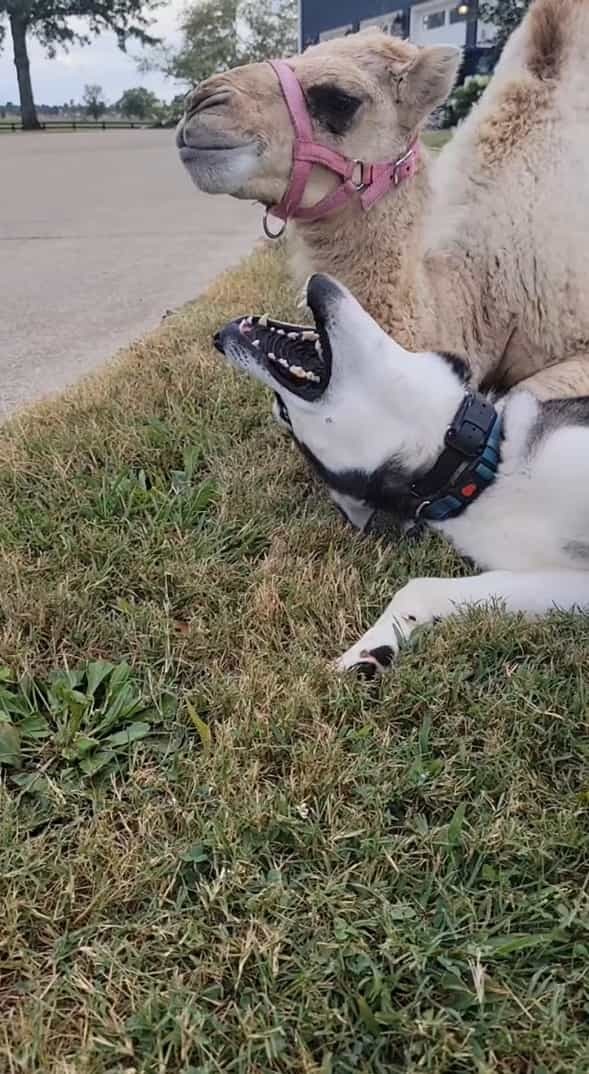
(283, 361)
(318, 349)
(250, 320)
(293, 335)
(298, 372)
(272, 356)
(263, 322)
(280, 331)
(310, 336)
(314, 378)
(256, 342)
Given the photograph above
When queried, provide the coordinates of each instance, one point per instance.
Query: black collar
(467, 466)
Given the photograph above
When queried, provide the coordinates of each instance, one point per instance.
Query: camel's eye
(333, 107)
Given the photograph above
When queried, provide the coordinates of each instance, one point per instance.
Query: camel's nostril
(200, 102)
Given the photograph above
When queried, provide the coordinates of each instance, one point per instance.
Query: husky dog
(507, 482)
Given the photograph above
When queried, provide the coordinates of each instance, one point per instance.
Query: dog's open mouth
(298, 357)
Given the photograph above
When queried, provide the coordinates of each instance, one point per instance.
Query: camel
(484, 251)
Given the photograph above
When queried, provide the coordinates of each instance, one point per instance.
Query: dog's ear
(425, 83)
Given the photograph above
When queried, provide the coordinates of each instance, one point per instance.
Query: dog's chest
(511, 528)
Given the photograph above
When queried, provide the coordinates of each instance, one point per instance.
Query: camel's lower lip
(189, 153)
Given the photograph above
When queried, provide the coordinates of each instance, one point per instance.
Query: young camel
(483, 252)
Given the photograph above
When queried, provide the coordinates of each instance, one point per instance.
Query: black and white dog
(507, 483)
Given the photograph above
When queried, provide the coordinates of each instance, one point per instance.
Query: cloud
(61, 79)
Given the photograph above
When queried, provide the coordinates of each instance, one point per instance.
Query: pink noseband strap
(366, 182)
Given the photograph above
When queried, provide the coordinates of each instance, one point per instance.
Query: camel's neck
(376, 254)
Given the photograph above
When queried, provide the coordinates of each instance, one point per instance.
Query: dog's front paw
(376, 650)
(366, 663)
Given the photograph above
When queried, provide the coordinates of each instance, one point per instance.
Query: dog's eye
(333, 107)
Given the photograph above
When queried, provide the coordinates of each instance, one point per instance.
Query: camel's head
(367, 95)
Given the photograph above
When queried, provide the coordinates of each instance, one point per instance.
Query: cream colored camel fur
(486, 251)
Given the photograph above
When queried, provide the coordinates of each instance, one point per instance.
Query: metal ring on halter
(272, 234)
(362, 184)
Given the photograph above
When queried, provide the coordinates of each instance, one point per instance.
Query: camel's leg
(564, 380)
(427, 600)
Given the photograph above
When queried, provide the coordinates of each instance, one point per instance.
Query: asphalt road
(100, 233)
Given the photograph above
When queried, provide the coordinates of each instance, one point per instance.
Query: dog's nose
(322, 294)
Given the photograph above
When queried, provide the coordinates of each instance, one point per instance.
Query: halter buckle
(272, 234)
(399, 164)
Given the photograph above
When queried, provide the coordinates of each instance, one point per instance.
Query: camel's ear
(426, 82)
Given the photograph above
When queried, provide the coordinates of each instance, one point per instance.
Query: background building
(426, 22)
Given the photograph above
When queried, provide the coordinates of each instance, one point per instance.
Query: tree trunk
(28, 111)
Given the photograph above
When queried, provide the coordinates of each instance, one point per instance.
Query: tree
(505, 16)
(138, 103)
(463, 99)
(94, 102)
(272, 28)
(50, 22)
(219, 34)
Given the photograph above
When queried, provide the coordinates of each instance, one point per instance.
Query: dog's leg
(354, 511)
(427, 600)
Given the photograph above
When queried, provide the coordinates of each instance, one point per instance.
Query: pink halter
(368, 182)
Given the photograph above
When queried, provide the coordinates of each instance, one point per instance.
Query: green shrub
(462, 100)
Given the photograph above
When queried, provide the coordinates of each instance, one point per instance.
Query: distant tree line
(62, 23)
(137, 103)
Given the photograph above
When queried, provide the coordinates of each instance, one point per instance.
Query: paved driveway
(100, 233)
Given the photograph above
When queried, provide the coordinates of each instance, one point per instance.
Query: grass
(281, 871)
(437, 139)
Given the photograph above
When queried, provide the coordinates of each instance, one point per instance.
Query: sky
(64, 78)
